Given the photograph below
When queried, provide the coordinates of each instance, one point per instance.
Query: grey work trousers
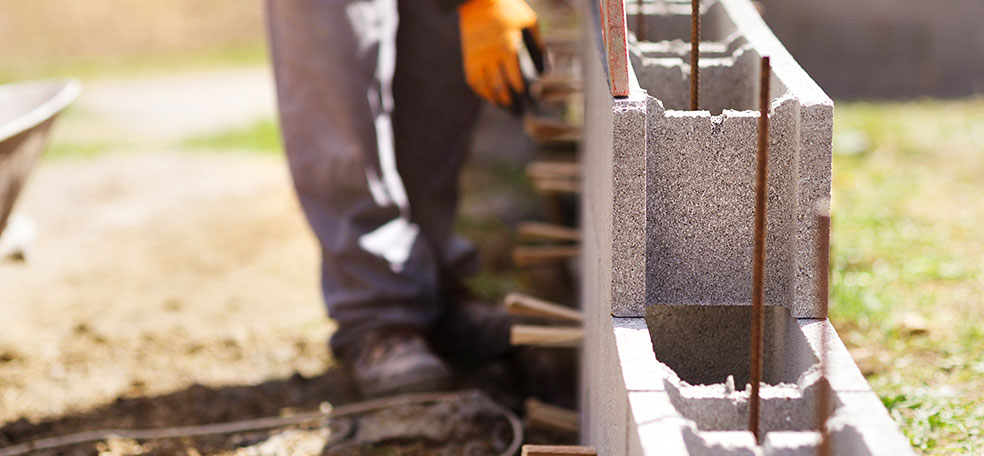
(377, 120)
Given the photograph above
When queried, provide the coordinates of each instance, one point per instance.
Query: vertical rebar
(694, 55)
(823, 277)
(640, 21)
(758, 266)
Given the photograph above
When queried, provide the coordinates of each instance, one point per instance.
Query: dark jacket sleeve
(449, 4)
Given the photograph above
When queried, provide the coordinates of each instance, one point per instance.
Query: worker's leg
(433, 119)
(334, 62)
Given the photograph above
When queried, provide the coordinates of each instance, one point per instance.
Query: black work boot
(396, 361)
(472, 332)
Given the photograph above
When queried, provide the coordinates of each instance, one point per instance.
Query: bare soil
(154, 273)
(172, 287)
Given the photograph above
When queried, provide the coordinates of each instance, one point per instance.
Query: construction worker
(377, 104)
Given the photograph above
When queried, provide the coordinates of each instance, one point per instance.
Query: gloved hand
(491, 33)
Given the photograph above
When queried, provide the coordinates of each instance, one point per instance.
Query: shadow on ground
(528, 373)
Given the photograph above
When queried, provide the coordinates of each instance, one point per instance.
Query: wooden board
(558, 450)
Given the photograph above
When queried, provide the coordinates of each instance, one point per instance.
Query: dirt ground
(153, 272)
(173, 286)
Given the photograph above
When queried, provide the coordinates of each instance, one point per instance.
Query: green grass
(260, 136)
(908, 260)
(78, 149)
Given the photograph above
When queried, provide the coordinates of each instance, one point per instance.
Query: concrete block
(667, 436)
(614, 175)
(861, 425)
(731, 443)
(791, 444)
(701, 167)
(711, 419)
(667, 217)
(647, 406)
(628, 205)
(842, 373)
(609, 279)
(706, 344)
(634, 348)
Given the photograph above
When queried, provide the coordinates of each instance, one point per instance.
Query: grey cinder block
(700, 175)
(667, 213)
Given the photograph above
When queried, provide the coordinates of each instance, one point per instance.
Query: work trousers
(376, 119)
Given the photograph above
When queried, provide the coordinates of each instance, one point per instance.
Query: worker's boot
(396, 361)
(472, 331)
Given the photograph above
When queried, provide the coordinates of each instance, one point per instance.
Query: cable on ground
(256, 424)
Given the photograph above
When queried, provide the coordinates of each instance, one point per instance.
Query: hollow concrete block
(701, 172)
(666, 219)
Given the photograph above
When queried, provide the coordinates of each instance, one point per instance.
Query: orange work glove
(491, 34)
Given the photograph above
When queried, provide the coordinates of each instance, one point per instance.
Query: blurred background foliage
(85, 37)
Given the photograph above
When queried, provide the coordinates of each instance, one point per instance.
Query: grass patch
(260, 136)
(59, 150)
(907, 259)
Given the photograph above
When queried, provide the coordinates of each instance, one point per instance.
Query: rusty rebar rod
(694, 55)
(823, 283)
(758, 267)
(640, 21)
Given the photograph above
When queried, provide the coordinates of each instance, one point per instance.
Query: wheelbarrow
(27, 111)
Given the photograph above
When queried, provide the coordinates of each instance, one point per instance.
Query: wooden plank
(548, 129)
(556, 87)
(546, 336)
(544, 254)
(541, 415)
(528, 306)
(558, 450)
(540, 231)
(553, 169)
(557, 185)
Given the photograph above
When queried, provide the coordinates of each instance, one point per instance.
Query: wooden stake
(545, 416)
(547, 129)
(546, 336)
(553, 170)
(539, 231)
(694, 55)
(758, 267)
(555, 185)
(544, 254)
(555, 87)
(528, 306)
(558, 450)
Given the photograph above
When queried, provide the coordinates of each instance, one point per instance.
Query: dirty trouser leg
(433, 119)
(334, 63)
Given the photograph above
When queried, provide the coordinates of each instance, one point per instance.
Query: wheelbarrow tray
(27, 111)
